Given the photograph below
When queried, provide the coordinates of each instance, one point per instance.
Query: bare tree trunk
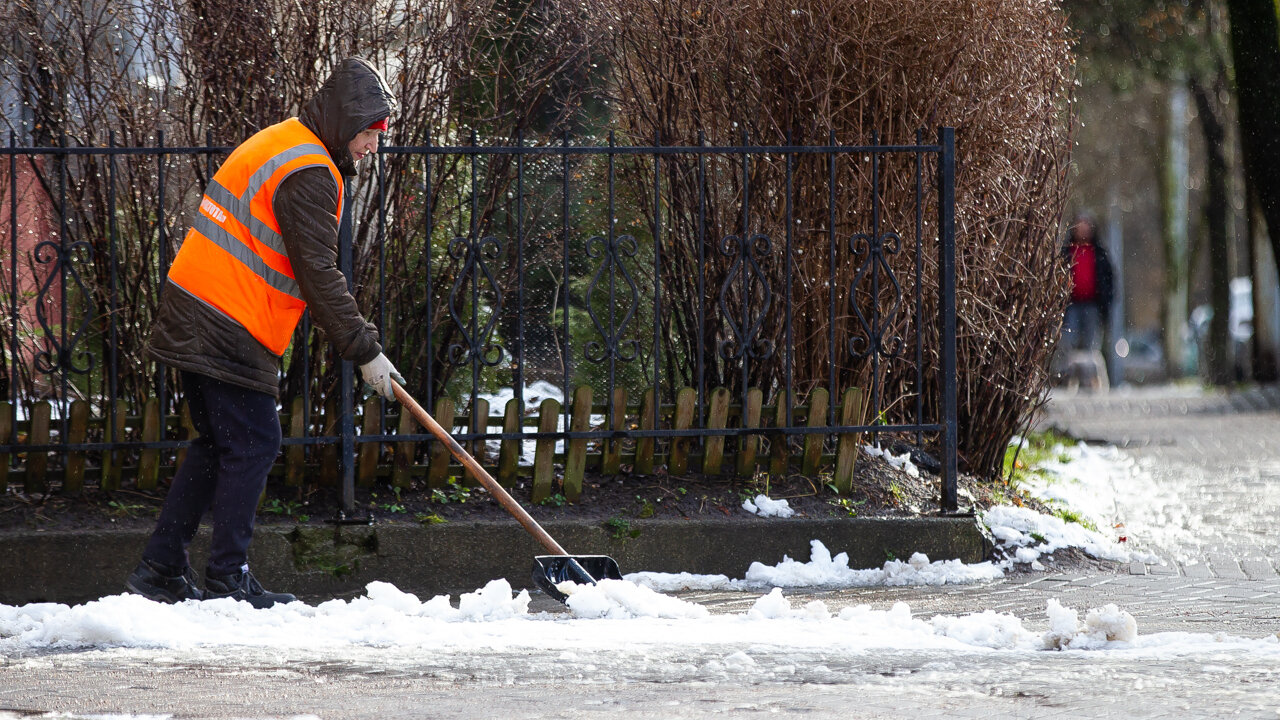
(1255, 50)
(1266, 295)
(1217, 359)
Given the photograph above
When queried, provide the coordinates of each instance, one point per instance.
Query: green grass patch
(1069, 515)
(1023, 461)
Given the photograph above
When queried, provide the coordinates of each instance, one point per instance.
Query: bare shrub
(812, 70)
(210, 74)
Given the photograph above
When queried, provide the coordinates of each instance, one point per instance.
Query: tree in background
(1182, 46)
(1255, 50)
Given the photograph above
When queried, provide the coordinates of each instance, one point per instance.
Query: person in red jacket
(262, 249)
(1091, 287)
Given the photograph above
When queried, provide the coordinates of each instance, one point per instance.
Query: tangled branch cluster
(999, 71)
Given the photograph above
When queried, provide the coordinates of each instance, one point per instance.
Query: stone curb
(318, 562)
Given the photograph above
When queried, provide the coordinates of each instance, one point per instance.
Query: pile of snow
(619, 599)
(606, 622)
(1024, 535)
(1094, 483)
(1113, 490)
(823, 570)
(1108, 624)
(764, 506)
(901, 462)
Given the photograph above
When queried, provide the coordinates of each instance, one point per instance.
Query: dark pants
(224, 474)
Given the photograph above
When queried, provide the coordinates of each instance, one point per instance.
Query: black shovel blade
(551, 570)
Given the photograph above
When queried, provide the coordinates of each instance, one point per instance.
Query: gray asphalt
(1217, 455)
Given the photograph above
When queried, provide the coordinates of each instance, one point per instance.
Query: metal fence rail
(556, 262)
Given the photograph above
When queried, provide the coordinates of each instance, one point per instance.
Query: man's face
(364, 143)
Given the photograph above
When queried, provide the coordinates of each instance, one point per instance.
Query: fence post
(818, 401)
(749, 445)
(368, 462)
(113, 459)
(73, 479)
(646, 446)
(38, 460)
(149, 460)
(847, 447)
(779, 448)
(678, 462)
(611, 461)
(575, 463)
(947, 310)
(509, 450)
(439, 469)
(479, 426)
(717, 419)
(545, 452)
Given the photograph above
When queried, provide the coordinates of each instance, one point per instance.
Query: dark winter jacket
(190, 335)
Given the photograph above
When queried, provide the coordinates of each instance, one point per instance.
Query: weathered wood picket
(400, 462)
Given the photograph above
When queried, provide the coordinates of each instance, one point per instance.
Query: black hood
(354, 97)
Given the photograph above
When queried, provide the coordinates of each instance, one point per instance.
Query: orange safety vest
(233, 258)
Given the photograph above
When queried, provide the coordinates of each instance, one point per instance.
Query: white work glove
(378, 374)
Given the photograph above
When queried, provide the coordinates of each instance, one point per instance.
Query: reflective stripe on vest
(233, 258)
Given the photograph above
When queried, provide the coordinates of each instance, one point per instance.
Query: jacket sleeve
(306, 204)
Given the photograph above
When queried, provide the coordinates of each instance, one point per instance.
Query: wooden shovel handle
(464, 457)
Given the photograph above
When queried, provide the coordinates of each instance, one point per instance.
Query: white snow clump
(764, 506)
(1102, 625)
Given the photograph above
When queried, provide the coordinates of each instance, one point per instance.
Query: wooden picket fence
(144, 448)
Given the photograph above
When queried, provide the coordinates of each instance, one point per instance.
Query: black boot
(242, 586)
(163, 584)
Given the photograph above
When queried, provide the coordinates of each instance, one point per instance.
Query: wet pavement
(1212, 464)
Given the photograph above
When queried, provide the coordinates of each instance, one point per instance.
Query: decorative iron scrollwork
(874, 266)
(60, 357)
(746, 271)
(611, 251)
(477, 340)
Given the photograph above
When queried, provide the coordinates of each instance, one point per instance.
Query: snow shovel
(548, 570)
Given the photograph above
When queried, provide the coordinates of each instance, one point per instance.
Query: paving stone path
(1214, 458)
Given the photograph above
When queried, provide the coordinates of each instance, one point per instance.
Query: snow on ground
(636, 612)
(534, 394)
(1105, 488)
(613, 614)
(1024, 535)
(824, 570)
(1116, 492)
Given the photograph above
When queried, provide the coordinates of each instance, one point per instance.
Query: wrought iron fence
(490, 268)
